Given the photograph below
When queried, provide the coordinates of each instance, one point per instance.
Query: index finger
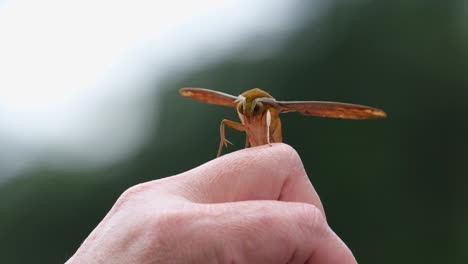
(260, 173)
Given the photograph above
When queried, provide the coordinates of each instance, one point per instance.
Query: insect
(259, 113)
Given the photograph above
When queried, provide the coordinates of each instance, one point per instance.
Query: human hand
(252, 206)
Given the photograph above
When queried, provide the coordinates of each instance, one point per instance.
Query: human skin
(255, 205)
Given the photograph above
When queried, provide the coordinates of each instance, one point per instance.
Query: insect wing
(330, 109)
(209, 96)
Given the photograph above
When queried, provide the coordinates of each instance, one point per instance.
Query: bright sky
(64, 63)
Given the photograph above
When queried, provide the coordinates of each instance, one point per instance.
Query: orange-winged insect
(259, 113)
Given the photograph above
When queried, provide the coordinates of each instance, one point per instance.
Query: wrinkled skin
(256, 205)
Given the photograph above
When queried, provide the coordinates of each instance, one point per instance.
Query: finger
(270, 232)
(260, 173)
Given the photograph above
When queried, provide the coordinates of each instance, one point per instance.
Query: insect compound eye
(240, 107)
(258, 107)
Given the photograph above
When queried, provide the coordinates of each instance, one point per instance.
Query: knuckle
(309, 218)
(165, 232)
(133, 191)
(180, 217)
(290, 155)
(132, 194)
(171, 229)
(171, 219)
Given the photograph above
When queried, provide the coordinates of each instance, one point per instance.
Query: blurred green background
(394, 190)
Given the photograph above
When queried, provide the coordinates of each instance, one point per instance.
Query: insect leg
(235, 125)
(268, 123)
